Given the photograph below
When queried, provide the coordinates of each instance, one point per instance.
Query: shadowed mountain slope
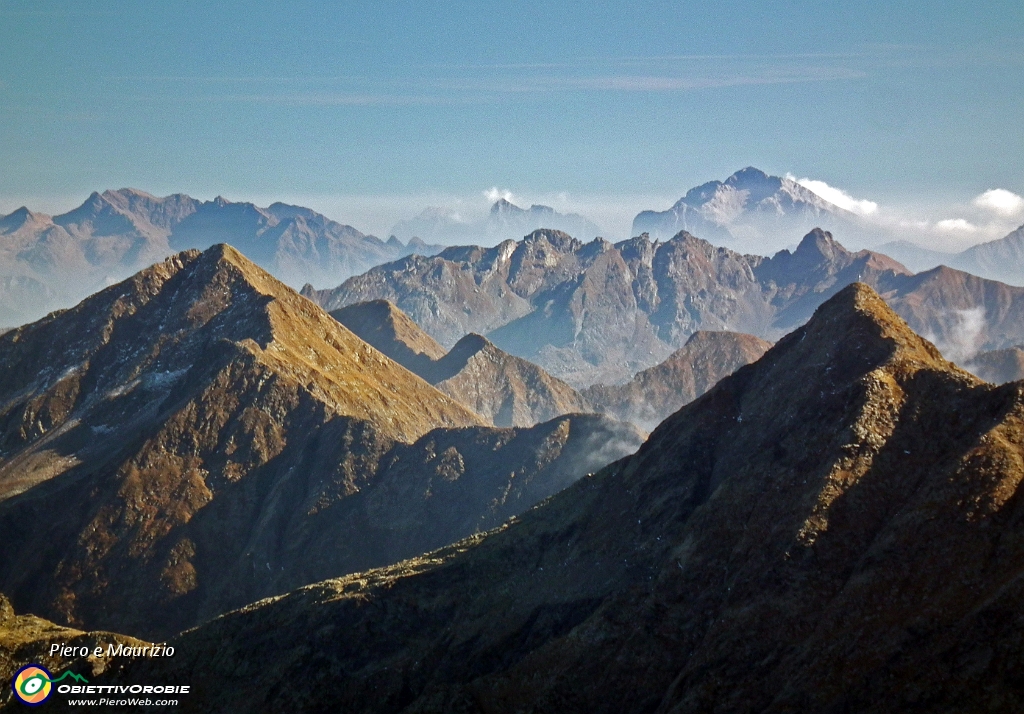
(834, 528)
(197, 434)
(648, 398)
(504, 389)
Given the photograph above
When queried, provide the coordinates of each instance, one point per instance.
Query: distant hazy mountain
(915, 257)
(503, 389)
(998, 366)
(751, 212)
(1001, 259)
(200, 436)
(595, 312)
(53, 262)
(506, 221)
(652, 395)
(834, 528)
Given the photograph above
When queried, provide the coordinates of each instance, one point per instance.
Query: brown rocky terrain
(26, 639)
(51, 262)
(504, 389)
(652, 395)
(998, 366)
(834, 528)
(187, 441)
(392, 332)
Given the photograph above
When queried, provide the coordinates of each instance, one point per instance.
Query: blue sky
(370, 111)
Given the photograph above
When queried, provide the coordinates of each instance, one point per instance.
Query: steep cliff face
(836, 527)
(652, 395)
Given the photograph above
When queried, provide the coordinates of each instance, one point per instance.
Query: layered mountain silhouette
(689, 372)
(53, 262)
(200, 436)
(505, 221)
(833, 528)
(998, 366)
(1001, 259)
(599, 313)
(752, 212)
(505, 390)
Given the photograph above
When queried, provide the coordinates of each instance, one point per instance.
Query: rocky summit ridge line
(834, 528)
(201, 436)
(598, 313)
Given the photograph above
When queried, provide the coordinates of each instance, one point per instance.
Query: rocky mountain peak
(18, 219)
(858, 316)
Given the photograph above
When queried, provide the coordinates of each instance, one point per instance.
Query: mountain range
(200, 436)
(505, 390)
(656, 393)
(48, 262)
(505, 221)
(833, 528)
(598, 312)
(753, 212)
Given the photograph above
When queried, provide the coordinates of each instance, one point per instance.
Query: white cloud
(494, 193)
(1001, 202)
(956, 225)
(838, 196)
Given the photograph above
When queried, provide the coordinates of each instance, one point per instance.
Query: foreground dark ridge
(200, 436)
(834, 528)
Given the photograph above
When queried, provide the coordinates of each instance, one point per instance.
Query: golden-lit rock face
(836, 527)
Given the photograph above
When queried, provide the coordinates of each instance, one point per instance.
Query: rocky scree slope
(652, 395)
(836, 527)
(202, 437)
(504, 389)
